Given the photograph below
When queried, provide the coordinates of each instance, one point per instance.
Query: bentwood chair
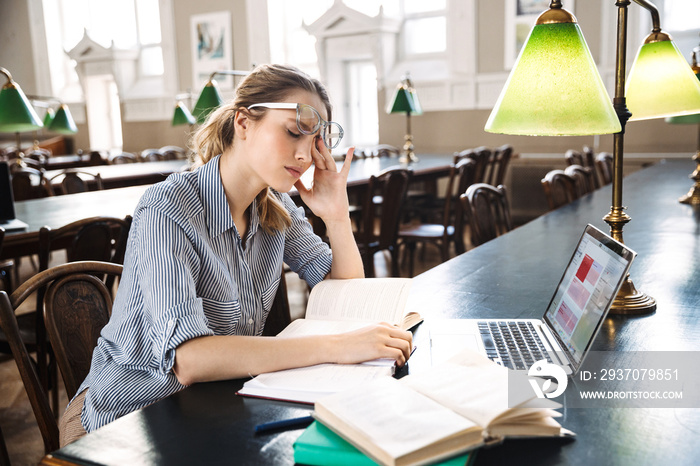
(77, 305)
(488, 211)
(122, 157)
(497, 165)
(173, 153)
(583, 178)
(151, 155)
(451, 228)
(28, 183)
(604, 162)
(589, 159)
(559, 188)
(91, 239)
(391, 185)
(74, 181)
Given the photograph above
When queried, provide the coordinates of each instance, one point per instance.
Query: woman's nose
(303, 151)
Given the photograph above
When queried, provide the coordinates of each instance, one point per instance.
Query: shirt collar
(211, 192)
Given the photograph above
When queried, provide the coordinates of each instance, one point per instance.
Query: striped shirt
(188, 274)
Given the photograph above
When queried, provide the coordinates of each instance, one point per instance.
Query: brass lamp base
(630, 301)
(693, 196)
(408, 156)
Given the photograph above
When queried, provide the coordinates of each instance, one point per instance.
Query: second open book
(337, 306)
(447, 410)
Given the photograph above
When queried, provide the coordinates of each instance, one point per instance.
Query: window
(425, 27)
(132, 24)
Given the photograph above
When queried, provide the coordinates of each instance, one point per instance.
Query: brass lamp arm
(229, 72)
(655, 22)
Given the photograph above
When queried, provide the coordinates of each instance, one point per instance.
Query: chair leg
(395, 272)
(368, 262)
(411, 248)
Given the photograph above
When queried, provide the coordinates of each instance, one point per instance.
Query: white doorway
(361, 108)
(103, 113)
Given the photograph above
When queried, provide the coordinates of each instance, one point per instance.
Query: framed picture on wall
(520, 19)
(210, 35)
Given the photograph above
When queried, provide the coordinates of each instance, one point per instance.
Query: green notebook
(320, 446)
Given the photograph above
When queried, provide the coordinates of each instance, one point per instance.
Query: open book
(422, 418)
(337, 306)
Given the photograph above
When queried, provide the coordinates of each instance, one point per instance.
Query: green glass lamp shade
(208, 101)
(63, 122)
(16, 113)
(48, 118)
(554, 88)
(182, 115)
(405, 100)
(684, 119)
(661, 83)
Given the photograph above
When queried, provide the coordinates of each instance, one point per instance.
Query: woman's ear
(241, 124)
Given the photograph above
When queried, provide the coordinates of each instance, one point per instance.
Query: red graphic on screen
(585, 266)
(566, 318)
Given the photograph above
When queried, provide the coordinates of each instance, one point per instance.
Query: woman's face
(278, 152)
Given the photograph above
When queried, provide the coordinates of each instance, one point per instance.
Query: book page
(307, 384)
(478, 391)
(366, 299)
(386, 419)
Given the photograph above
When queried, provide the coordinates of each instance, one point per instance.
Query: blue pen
(286, 424)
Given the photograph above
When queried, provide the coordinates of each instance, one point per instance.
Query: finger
(301, 188)
(348, 159)
(319, 160)
(326, 154)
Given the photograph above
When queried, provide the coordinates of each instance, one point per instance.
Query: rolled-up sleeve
(167, 272)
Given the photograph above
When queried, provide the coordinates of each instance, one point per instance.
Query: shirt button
(251, 321)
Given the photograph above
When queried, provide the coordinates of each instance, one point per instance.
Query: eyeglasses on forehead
(309, 121)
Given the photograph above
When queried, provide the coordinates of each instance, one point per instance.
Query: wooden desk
(129, 174)
(57, 211)
(512, 276)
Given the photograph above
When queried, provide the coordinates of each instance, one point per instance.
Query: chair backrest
(97, 157)
(392, 185)
(497, 165)
(488, 212)
(574, 157)
(77, 298)
(279, 316)
(589, 161)
(604, 163)
(28, 183)
(151, 155)
(74, 181)
(93, 238)
(559, 188)
(173, 153)
(123, 157)
(583, 178)
(381, 150)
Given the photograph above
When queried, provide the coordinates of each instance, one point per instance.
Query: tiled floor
(17, 419)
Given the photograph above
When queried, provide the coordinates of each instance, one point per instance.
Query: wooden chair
(604, 163)
(451, 228)
(28, 183)
(97, 157)
(173, 153)
(392, 185)
(497, 165)
(279, 316)
(74, 181)
(151, 155)
(589, 161)
(91, 239)
(481, 156)
(574, 157)
(123, 157)
(77, 305)
(6, 267)
(559, 188)
(4, 455)
(380, 150)
(488, 211)
(583, 178)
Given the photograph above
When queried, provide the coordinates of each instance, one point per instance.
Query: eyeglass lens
(309, 121)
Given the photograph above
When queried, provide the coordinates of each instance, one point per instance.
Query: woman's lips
(295, 172)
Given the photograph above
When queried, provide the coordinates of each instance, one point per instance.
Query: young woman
(205, 254)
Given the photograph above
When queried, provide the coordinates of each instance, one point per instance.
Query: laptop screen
(586, 291)
(7, 206)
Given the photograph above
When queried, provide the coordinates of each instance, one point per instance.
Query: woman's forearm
(347, 262)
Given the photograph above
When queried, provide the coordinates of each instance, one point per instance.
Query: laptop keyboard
(515, 345)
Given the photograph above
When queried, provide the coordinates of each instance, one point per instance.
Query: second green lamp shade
(554, 89)
(661, 84)
(208, 101)
(62, 122)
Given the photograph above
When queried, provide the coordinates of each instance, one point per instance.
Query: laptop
(564, 335)
(7, 204)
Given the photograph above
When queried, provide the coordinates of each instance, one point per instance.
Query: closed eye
(293, 134)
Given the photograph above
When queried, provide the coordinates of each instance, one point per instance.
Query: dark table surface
(512, 276)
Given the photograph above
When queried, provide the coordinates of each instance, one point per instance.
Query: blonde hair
(266, 83)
